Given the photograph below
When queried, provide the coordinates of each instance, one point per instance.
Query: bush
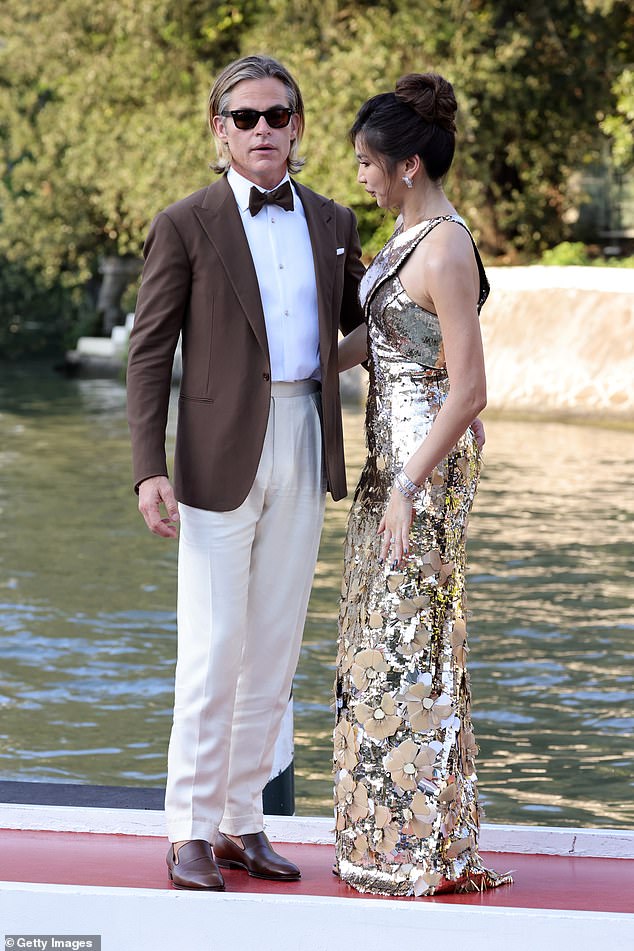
(576, 252)
(36, 318)
(568, 252)
(616, 262)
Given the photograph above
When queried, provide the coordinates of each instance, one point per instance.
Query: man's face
(258, 154)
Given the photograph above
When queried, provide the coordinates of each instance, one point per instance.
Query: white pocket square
(341, 250)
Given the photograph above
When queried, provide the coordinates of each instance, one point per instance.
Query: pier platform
(83, 871)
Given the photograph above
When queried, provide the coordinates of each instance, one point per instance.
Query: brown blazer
(199, 278)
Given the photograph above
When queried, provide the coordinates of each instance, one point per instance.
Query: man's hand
(153, 492)
(477, 428)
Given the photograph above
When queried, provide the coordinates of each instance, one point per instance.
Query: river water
(88, 625)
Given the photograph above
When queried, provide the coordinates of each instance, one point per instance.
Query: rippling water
(87, 611)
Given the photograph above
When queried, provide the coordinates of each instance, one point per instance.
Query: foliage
(103, 124)
(105, 121)
(568, 252)
(577, 253)
(528, 115)
(620, 125)
(102, 109)
(36, 317)
(616, 262)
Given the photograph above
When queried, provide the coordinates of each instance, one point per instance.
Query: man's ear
(219, 127)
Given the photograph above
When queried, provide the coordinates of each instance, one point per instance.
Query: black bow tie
(282, 196)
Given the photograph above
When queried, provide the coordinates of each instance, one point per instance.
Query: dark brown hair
(418, 118)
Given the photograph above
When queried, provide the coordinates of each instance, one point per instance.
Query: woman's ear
(412, 166)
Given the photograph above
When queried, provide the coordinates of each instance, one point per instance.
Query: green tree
(102, 109)
(620, 124)
(532, 84)
(105, 121)
(103, 124)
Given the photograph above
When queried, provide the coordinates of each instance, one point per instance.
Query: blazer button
(266, 376)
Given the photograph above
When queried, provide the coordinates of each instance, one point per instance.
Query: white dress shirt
(283, 257)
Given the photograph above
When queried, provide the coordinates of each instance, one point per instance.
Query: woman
(406, 805)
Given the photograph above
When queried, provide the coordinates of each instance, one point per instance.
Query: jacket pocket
(196, 399)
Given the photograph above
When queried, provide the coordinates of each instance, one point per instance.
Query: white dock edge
(542, 840)
(146, 919)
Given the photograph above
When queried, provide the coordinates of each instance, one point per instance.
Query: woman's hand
(477, 428)
(394, 527)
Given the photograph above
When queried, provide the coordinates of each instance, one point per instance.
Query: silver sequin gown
(406, 805)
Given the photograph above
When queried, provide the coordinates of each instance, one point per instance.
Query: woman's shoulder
(449, 241)
(451, 230)
(443, 261)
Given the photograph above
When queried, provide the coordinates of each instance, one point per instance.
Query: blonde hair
(253, 67)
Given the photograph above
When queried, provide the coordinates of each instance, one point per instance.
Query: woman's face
(372, 174)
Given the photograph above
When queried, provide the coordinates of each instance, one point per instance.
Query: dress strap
(391, 258)
(485, 287)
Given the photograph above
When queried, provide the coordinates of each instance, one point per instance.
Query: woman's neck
(426, 200)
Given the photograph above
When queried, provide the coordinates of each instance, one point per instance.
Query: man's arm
(160, 310)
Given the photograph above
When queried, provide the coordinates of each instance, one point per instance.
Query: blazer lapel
(320, 217)
(220, 220)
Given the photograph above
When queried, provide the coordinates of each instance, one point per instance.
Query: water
(88, 625)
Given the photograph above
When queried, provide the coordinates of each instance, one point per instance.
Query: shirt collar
(241, 187)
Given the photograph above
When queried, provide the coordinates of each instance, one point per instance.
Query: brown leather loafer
(194, 867)
(257, 858)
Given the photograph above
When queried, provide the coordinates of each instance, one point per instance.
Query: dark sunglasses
(277, 118)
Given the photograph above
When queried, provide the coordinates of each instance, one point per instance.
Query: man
(258, 284)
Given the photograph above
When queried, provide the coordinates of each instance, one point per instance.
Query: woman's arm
(353, 348)
(454, 300)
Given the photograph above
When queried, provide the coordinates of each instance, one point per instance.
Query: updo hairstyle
(418, 118)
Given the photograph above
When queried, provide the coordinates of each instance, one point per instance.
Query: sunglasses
(277, 118)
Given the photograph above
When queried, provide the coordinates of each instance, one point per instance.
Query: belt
(296, 388)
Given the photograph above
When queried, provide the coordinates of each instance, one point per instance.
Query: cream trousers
(244, 580)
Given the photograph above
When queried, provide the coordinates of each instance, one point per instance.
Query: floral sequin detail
(406, 806)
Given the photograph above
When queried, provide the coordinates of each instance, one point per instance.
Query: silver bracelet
(405, 486)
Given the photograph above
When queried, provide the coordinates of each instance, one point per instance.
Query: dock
(95, 871)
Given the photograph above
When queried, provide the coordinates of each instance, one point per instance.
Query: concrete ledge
(560, 341)
(615, 280)
(543, 840)
(147, 919)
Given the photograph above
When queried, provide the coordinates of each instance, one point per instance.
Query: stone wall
(560, 340)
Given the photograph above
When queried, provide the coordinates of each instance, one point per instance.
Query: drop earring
(408, 181)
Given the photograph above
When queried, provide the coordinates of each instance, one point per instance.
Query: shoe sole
(196, 888)
(269, 878)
